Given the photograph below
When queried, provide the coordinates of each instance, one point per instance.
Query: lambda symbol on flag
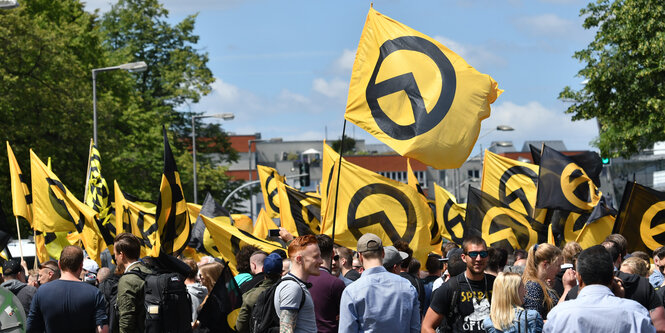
(520, 193)
(380, 217)
(452, 223)
(424, 121)
(655, 212)
(505, 232)
(273, 193)
(573, 178)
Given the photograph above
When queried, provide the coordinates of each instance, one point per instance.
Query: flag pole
(339, 170)
(87, 173)
(533, 212)
(18, 231)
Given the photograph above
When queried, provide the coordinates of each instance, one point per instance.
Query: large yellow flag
(300, 213)
(263, 224)
(330, 157)
(97, 196)
(137, 218)
(269, 178)
(21, 198)
(369, 202)
(450, 215)
(230, 240)
(416, 95)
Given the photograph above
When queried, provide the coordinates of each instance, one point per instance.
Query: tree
(349, 145)
(625, 75)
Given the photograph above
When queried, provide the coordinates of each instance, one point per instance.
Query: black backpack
(264, 317)
(109, 288)
(168, 307)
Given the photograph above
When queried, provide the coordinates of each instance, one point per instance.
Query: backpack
(168, 308)
(264, 317)
(453, 314)
(109, 288)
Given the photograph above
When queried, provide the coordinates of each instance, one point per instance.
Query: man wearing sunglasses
(464, 301)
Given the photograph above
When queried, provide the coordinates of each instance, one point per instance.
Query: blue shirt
(596, 309)
(656, 278)
(528, 321)
(379, 301)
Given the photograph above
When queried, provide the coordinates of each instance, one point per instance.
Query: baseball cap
(272, 264)
(393, 256)
(90, 265)
(369, 242)
(452, 252)
(11, 267)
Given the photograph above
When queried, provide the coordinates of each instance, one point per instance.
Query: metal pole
(94, 107)
(251, 195)
(194, 159)
(339, 172)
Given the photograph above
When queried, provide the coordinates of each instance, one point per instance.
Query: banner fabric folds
(450, 215)
(642, 218)
(269, 178)
(21, 198)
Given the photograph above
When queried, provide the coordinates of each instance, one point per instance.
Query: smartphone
(273, 233)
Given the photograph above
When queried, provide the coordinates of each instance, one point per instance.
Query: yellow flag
(328, 170)
(435, 228)
(450, 215)
(97, 196)
(300, 213)
(230, 240)
(369, 202)
(263, 224)
(269, 179)
(40, 247)
(595, 233)
(243, 222)
(137, 218)
(193, 210)
(416, 95)
(21, 198)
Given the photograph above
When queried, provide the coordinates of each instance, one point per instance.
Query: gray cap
(393, 256)
(369, 242)
(452, 252)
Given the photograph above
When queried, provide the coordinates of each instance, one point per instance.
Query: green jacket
(248, 301)
(131, 310)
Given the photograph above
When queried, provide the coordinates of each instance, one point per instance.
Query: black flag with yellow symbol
(230, 240)
(499, 225)
(200, 233)
(369, 202)
(513, 183)
(450, 215)
(21, 198)
(416, 95)
(269, 178)
(642, 218)
(173, 225)
(563, 184)
(300, 212)
(138, 218)
(589, 161)
(55, 208)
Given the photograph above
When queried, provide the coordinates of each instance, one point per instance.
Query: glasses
(474, 254)
(336, 257)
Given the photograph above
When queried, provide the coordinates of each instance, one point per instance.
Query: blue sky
(283, 67)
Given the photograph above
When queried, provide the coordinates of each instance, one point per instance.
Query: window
(473, 173)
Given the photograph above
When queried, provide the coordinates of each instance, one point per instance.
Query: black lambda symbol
(424, 121)
(517, 194)
(380, 217)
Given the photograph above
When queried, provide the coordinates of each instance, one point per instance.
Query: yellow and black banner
(329, 161)
(229, 239)
(642, 218)
(269, 179)
(450, 215)
(369, 202)
(499, 225)
(21, 198)
(562, 184)
(172, 217)
(242, 222)
(137, 217)
(300, 213)
(97, 196)
(212, 209)
(263, 224)
(590, 161)
(435, 227)
(416, 95)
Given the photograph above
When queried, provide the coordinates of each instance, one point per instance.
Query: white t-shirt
(288, 295)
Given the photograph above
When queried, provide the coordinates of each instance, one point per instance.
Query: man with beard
(464, 301)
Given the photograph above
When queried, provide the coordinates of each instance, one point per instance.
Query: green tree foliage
(625, 70)
(349, 145)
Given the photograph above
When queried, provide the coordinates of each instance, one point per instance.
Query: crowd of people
(318, 286)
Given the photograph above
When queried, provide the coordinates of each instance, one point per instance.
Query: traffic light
(606, 161)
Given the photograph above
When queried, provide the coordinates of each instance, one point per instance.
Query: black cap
(11, 267)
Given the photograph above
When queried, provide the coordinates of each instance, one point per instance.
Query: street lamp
(8, 4)
(503, 128)
(224, 116)
(133, 67)
(249, 154)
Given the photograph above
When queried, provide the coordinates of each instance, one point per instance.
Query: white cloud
(288, 96)
(475, 55)
(549, 25)
(335, 88)
(226, 92)
(344, 63)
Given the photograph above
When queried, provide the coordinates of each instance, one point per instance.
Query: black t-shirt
(636, 288)
(420, 288)
(473, 303)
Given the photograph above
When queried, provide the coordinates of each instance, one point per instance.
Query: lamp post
(133, 67)
(8, 4)
(224, 116)
(251, 196)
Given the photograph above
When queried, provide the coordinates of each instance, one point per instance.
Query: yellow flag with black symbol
(450, 215)
(21, 198)
(369, 202)
(499, 225)
(328, 169)
(242, 222)
(641, 218)
(138, 218)
(513, 183)
(229, 240)
(435, 226)
(300, 213)
(416, 95)
(97, 197)
(269, 179)
(263, 224)
(563, 184)
(173, 225)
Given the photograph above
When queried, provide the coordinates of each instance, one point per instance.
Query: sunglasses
(482, 254)
(336, 257)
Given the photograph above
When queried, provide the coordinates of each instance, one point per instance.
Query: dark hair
(347, 254)
(129, 245)
(325, 246)
(71, 259)
(403, 246)
(643, 255)
(595, 266)
(53, 266)
(498, 258)
(659, 252)
(242, 258)
(193, 268)
(520, 254)
(447, 247)
(472, 240)
(456, 265)
(613, 249)
(414, 267)
(620, 241)
(433, 264)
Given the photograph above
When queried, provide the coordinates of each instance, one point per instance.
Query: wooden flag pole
(18, 231)
(339, 170)
(87, 173)
(34, 238)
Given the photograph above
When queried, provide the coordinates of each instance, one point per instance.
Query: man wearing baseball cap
(14, 276)
(379, 301)
(272, 270)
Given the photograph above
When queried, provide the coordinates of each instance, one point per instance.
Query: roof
(385, 162)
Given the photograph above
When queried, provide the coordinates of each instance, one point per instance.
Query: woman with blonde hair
(506, 312)
(209, 273)
(542, 265)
